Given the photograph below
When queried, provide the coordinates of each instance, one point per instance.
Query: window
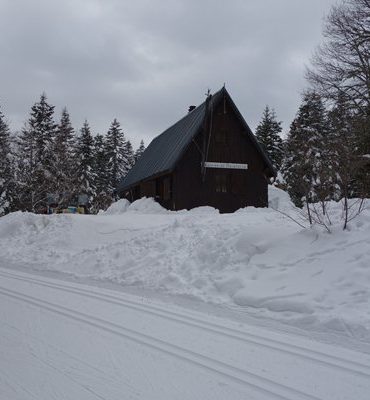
(221, 183)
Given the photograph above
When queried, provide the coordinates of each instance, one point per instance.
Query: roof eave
(154, 176)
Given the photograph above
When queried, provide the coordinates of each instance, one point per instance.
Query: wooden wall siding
(164, 191)
(160, 188)
(245, 187)
(148, 188)
(237, 147)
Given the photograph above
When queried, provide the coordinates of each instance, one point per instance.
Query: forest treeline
(49, 163)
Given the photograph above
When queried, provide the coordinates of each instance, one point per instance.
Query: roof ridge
(190, 112)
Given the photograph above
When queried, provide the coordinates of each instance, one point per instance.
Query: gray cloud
(144, 62)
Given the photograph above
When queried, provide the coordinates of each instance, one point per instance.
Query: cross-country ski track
(64, 340)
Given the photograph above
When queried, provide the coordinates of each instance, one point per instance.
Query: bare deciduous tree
(342, 63)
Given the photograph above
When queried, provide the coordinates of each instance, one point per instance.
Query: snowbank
(256, 260)
(144, 205)
(280, 200)
(147, 206)
(119, 207)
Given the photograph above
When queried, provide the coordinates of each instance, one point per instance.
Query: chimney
(191, 108)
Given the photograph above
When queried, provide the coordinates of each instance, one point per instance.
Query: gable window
(221, 185)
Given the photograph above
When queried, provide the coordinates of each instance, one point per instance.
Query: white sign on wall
(209, 164)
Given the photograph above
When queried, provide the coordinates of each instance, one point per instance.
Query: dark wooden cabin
(209, 157)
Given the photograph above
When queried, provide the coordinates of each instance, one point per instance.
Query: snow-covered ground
(142, 303)
(62, 340)
(256, 261)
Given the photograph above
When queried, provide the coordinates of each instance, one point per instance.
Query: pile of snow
(119, 207)
(147, 206)
(144, 206)
(280, 200)
(257, 260)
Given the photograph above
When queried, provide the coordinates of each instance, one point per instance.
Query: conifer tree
(306, 169)
(7, 185)
(86, 176)
(43, 127)
(118, 162)
(26, 170)
(64, 179)
(268, 134)
(130, 155)
(35, 157)
(140, 150)
(104, 191)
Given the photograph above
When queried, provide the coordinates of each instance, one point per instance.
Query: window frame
(222, 182)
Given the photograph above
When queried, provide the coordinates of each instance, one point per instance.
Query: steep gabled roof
(165, 150)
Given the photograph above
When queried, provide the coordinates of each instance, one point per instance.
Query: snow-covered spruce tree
(26, 170)
(35, 158)
(268, 135)
(130, 155)
(140, 150)
(86, 177)
(118, 161)
(307, 166)
(64, 178)
(103, 198)
(7, 186)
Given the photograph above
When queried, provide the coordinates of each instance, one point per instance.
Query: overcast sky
(145, 61)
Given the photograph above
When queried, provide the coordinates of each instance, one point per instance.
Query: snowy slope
(256, 260)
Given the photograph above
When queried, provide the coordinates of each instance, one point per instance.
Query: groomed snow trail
(63, 340)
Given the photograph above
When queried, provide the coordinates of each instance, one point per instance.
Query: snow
(257, 261)
(118, 207)
(64, 340)
(144, 206)
(280, 200)
(184, 305)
